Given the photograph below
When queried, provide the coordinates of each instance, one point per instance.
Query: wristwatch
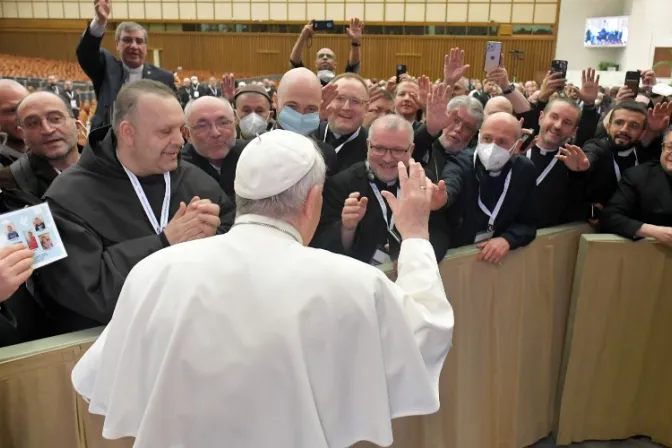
(356, 44)
(509, 89)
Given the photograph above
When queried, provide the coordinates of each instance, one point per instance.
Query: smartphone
(559, 66)
(632, 81)
(401, 69)
(493, 55)
(323, 25)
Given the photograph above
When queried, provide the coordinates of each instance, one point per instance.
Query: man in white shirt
(107, 73)
(254, 340)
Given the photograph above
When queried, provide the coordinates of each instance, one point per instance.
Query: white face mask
(252, 124)
(325, 75)
(493, 157)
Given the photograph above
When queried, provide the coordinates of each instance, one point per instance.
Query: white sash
(383, 208)
(547, 170)
(617, 169)
(351, 138)
(158, 227)
(493, 214)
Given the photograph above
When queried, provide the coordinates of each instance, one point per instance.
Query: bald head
(498, 104)
(11, 94)
(207, 103)
(501, 128)
(301, 90)
(50, 99)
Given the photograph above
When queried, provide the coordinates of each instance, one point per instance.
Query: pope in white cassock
(253, 340)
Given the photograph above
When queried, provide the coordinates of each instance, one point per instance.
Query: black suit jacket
(351, 152)
(644, 196)
(208, 92)
(75, 96)
(107, 74)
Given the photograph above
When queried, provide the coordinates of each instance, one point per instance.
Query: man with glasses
(356, 219)
(343, 130)
(641, 207)
(108, 73)
(211, 133)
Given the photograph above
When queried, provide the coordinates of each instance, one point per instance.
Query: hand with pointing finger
(354, 210)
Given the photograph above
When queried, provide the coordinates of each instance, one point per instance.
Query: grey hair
(127, 99)
(288, 203)
(391, 122)
(465, 83)
(473, 107)
(190, 105)
(667, 132)
(129, 27)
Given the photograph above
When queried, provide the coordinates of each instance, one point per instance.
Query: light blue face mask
(291, 120)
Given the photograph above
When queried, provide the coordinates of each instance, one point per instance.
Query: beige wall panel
(354, 10)
(415, 1)
(278, 11)
(457, 12)
(545, 13)
(394, 13)
(71, 10)
(296, 11)
(55, 10)
(436, 12)
(500, 13)
(241, 11)
(316, 11)
(394, 1)
(547, 1)
(260, 11)
(187, 11)
(415, 13)
(86, 10)
(171, 11)
(336, 11)
(205, 11)
(120, 10)
(25, 10)
(375, 12)
(10, 9)
(479, 12)
(522, 13)
(40, 10)
(136, 11)
(153, 11)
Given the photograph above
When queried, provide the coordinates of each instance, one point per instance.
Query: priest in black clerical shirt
(641, 207)
(496, 190)
(356, 220)
(560, 170)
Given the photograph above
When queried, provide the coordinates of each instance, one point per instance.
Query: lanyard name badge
(617, 169)
(380, 257)
(490, 232)
(158, 226)
(339, 147)
(547, 170)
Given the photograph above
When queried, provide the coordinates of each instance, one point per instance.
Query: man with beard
(621, 149)
(211, 133)
(107, 73)
(343, 130)
(560, 186)
(51, 131)
(253, 111)
(52, 85)
(325, 60)
(641, 207)
(11, 94)
(127, 198)
(298, 102)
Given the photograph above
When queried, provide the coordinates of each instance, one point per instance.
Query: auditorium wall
(649, 29)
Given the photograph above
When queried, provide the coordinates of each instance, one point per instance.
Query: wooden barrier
(498, 386)
(618, 380)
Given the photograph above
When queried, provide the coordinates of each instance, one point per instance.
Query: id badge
(380, 257)
(73, 104)
(196, 93)
(483, 236)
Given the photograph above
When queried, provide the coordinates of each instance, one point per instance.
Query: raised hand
(228, 86)
(437, 103)
(102, 8)
(453, 66)
(553, 82)
(391, 85)
(625, 94)
(355, 30)
(307, 30)
(411, 210)
(589, 86)
(439, 195)
(499, 76)
(375, 93)
(354, 210)
(424, 86)
(659, 117)
(16, 266)
(648, 77)
(574, 158)
(329, 93)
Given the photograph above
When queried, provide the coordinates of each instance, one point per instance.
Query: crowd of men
(159, 164)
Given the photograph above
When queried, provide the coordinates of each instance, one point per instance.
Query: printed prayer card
(33, 227)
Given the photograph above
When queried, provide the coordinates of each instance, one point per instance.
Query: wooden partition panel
(259, 54)
(618, 377)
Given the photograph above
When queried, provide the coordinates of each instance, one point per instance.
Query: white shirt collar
(282, 225)
(134, 71)
(625, 153)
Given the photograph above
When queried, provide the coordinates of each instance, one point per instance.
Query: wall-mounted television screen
(606, 32)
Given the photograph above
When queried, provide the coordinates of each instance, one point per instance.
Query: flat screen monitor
(606, 32)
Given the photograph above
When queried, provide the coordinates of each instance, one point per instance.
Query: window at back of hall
(533, 29)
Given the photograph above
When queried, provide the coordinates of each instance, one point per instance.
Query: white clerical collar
(134, 71)
(494, 173)
(625, 153)
(544, 151)
(265, 221)
(217, 168)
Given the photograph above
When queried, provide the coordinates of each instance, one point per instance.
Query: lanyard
(383, 208)
(351, 138)
(547, 170)
(493, 214)
(617, 169)
(158, 227)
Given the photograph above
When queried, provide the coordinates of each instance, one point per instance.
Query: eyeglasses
(221, 125)
(463, 125)
(341, 100)
(53, 118)
(130, 39)
(380, 151)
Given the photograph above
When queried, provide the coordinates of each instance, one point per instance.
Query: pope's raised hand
(411, 210)
(354, 210)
